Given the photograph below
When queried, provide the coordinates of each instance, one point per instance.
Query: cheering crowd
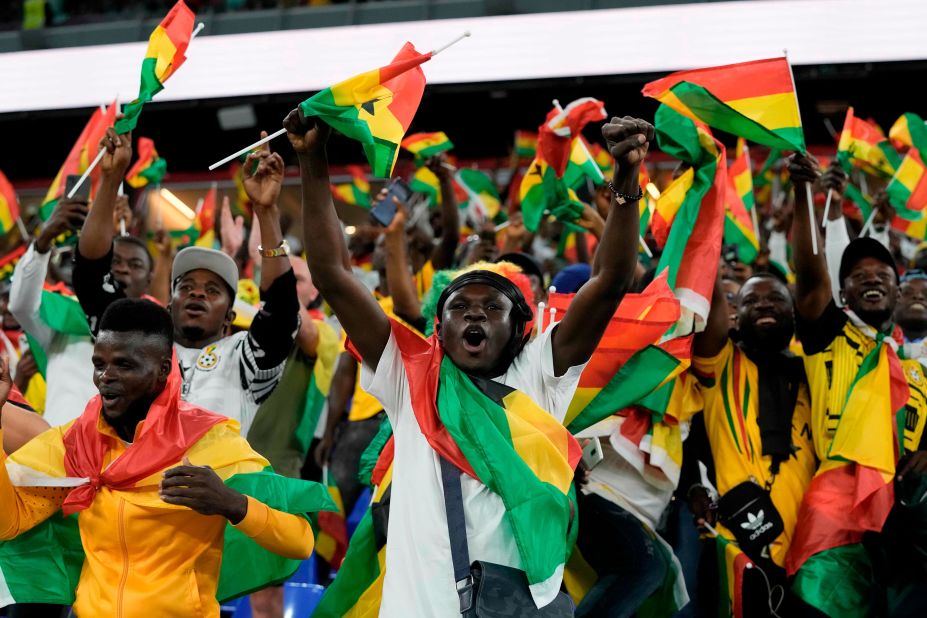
(623, 376)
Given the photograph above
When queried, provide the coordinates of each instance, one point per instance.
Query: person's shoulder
(817, 335)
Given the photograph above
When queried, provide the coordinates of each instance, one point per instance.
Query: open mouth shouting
(110, 396)
(474, 339)
(195, 308)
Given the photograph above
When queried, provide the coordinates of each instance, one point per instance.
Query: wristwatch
(282, 249)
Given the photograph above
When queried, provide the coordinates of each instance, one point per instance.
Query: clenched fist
(628, 141)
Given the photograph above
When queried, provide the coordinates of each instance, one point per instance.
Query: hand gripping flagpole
(99, 157)
(277, 134)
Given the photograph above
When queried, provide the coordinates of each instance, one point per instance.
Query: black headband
(521, 311)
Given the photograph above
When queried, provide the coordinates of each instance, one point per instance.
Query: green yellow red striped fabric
(738, 225)
(166, 48)
(755, 100)
(482, 196)
(556, 135)
(149, 169)
(907, 190)
(581, 165)
(862, 144)
(9, 205)
(526, 144)
(909, 130)
(356, 192)
(376, 107)
(205, 222)
(541, 191)
(668, 204)
(739, 171)
(83, 151)
(424, 145)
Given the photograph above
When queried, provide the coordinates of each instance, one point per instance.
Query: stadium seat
(299, 600)
(357, 513)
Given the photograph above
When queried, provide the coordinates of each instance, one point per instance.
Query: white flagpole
(869, 222)
(830, 194)
(814, 231)
(260, 142)
(445, 46)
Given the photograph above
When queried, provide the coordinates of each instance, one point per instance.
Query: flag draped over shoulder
(149, 169)
(84, 150)
(9, 205)
(376, 107)
(555, 136)
(53, 547)
(166, 51)
(907, 190)
(500, 437)
(754, 100)
(424, 145)
(356, 192)
(853, 491)
(862, 144)
(693, 243)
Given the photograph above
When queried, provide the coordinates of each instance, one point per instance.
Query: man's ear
(165, 369)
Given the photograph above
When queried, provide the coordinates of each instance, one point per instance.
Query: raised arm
(398, 274)
(326, 252)
(96, 238)
(836, 236)
(443, 254)
(812, 282)
(710, 341)
(263, 178)
(578, 334)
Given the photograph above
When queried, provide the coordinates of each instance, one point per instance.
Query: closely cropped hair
(135, 315)
(138, 242)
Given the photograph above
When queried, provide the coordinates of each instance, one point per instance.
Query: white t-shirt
(224, 378)
(419, 572)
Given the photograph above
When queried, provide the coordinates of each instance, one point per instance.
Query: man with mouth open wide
(751, 371)
(155, 483)
(475, 408)
(868, 409)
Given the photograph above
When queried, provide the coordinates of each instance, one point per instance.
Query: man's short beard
(773, 340)
(193, 333)
(876, 319)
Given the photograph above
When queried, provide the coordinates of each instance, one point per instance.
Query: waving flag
(424, 145)
(754, 100)
(738, 225)
(426, 182)
(907, 190)
(581, 166)
(166, 48)
(83, 151)
(541, 191)
(668, 204)
(555, 136)
(863, 145)
(9, 205)
(149, 169)
(205, 221)
(910, 130)
(376, 107)
(739, 171)
(526, 144)
(356, 192)
(481, 192)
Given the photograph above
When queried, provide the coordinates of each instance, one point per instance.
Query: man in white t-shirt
(481, 326)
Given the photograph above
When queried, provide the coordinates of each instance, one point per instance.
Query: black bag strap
(457, 533)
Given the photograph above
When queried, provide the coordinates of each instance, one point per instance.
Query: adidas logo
(753, 521)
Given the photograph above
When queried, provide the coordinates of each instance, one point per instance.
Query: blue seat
(242, 607)
(357, 513)
(306, 573)
(299, 600)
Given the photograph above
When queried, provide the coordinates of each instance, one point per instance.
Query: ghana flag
(356, 192)
(739, 171)
(62, 457)
(668, 204)
(149, 169)
(526, 144)
(166, 48)
(481, 192)
(556, 135)
(426, 182)
(582, 165)
(738, 225)
(375, 108)
(909, 130)
(693, 244)
(603, 158)
(907, 190)
(61, 311)
(541, 191)
(862, 144)
(502, 438)
(204, 224)
(83, 151)
(754, 100)
(853, 490)
(646, 206)
(424, 145)
(9, 205)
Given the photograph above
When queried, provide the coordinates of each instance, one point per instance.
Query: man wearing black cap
(230, 375)
(481, 342)
(868, 412)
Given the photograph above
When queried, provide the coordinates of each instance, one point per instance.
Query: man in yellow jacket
(149, 476)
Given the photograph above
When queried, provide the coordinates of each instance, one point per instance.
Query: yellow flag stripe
(163, 49)
(533, 432)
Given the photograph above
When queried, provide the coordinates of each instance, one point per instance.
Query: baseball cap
(863, 248)
(201, 258)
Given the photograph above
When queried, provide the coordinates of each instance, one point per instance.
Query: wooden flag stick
(457, 40)
(260, 142)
